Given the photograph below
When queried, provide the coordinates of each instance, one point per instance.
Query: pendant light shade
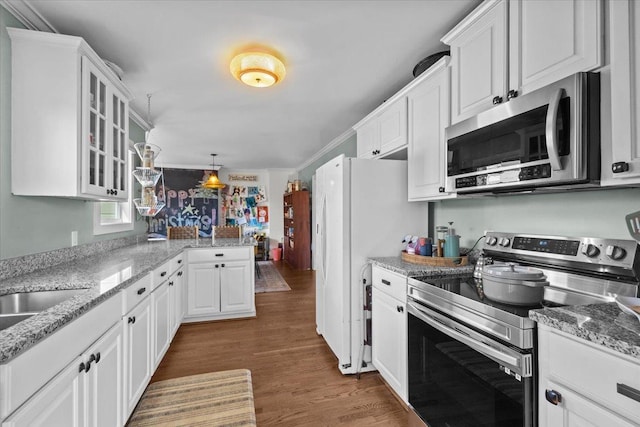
(213, 182)
(257, 69)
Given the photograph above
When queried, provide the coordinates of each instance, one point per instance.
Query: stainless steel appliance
(549, 138)
(472, 361)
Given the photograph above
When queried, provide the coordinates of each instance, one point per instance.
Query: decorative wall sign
(235, 177)
(185, 206)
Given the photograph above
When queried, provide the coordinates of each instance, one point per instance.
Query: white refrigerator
(361, 211)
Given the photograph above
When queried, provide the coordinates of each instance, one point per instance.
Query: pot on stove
(513, 284)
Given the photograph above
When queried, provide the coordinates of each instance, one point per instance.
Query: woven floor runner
(269, 279)
(213, 399)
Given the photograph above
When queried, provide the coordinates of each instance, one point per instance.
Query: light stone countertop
(101, 275)
(396, 264)
(602, 324)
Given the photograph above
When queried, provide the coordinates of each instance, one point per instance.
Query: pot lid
(513, 271)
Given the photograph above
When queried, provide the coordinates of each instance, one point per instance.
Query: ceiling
(343, 59)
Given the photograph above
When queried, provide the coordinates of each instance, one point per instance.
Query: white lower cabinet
(220, 284)
(86, 393)
(389, 329)
(177, 300)
(598, 388)
(138, 336)
(161, 324)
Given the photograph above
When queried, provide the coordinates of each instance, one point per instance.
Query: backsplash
(28, 263)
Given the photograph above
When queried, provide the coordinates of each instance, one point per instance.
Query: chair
(182, 232)
(227, 232)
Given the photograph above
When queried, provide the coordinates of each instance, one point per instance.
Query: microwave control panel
(511, 175)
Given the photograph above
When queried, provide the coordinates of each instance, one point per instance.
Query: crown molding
(330, 146)
(27, 15)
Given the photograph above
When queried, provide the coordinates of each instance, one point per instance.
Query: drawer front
(178, 261)
(161, 274)
(391, 283)
(136, 292)
(220, 254)
(610, 380)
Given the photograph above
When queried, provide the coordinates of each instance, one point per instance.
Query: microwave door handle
(551, 130)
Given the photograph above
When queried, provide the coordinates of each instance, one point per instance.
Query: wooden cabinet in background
(297, 230)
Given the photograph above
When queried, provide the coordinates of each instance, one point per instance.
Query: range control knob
(591, 250)
(504, 242)
(491, 241)
(616, 253)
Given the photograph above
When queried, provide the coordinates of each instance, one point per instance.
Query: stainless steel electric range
(472, 360)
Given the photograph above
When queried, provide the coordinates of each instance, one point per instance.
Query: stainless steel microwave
(547, 139)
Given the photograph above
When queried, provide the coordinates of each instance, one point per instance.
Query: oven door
(459, 377)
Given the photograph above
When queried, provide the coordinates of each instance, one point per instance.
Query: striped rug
(213, 399)
(268, 279)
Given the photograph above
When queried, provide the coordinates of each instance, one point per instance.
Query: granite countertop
(408, 269)
(603, 324)
(102, 276)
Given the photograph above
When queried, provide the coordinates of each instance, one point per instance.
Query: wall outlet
(74, 238)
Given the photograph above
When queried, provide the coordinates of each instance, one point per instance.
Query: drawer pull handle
(219, 254)
(164, 273)
(553, 396)
(142, 291)
(630, 392)
(386, 282)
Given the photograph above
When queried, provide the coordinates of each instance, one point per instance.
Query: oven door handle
(498, 356)
(551, 130)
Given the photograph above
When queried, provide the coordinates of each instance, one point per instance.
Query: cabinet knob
(512, 94)
(164, 273)
(217, 266)
(620, 167)
(97, 357)
(171, 283)
(81, 367)
(131, 320)
(441, 189)
(553, 396)
(180, 273)
(115, 192)
(497, 100)
(400, 308)
(222, 265)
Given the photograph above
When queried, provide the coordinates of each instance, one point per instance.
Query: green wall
(348, 148)
(37, 224)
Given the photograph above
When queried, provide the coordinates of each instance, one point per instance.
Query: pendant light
(257, 69)
(213, 182)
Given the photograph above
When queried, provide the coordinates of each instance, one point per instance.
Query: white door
(235, 286)
(428, 118)
(203, 295)
(393, 127)
(389, 340)
(368, 139)
(479, 63)
(103, 382)
(138, 346)
(337, 298)
(59, 403)
(161, 322)
(176, 297)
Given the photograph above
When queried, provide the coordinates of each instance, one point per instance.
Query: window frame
(127, 210)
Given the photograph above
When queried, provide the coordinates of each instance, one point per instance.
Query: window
(114, 217)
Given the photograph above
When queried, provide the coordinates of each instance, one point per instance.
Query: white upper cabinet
(506, 48)
(428, 117)
(70, 120)
(622, 152)
(384, 131)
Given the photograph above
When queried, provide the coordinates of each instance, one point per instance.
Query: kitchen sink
(34, 302)
(18, 306)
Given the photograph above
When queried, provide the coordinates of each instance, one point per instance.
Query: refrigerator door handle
(323, 222)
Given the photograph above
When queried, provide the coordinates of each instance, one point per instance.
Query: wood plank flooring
(296, 381)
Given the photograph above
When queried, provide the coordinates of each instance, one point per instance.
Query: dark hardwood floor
(296, 381)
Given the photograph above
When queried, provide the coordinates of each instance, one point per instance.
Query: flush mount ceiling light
(257, 69)
(213, 182)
